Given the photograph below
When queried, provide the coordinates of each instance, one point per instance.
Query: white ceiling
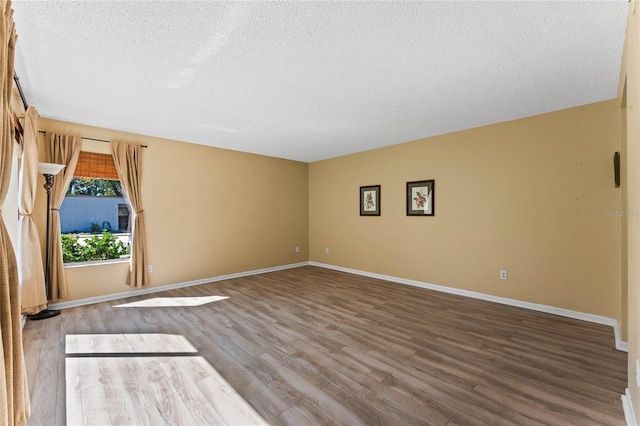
(314, 80)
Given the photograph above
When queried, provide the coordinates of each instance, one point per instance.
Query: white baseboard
(598, 319)
(627, 406)
(157, 289)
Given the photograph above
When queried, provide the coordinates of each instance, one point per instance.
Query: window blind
(94, 165)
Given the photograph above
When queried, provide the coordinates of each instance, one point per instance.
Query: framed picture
(370, 200)
(420, 198)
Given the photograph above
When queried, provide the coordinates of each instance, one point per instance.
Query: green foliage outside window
(98, 247)
(95, 187)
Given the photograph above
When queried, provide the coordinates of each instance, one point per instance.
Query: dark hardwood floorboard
(311, 346)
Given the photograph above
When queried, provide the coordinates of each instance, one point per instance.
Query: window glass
(95, 216)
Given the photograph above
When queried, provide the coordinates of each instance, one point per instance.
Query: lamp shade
(50, 168)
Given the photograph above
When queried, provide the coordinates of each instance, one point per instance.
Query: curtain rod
(24, 100)
(91, 139)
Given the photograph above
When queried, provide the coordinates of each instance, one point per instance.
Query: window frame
(93, 165)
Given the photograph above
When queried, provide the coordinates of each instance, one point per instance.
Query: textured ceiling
(314, 80)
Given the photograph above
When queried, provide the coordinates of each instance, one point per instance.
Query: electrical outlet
(503, 275)
(297, 249)
(149, 268)
(326, 249)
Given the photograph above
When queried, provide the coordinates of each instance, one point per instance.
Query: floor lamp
(49, 170)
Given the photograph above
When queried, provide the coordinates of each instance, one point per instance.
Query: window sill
(96, 262)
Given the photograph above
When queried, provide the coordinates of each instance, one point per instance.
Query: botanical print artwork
(420, 198)
(369, 201)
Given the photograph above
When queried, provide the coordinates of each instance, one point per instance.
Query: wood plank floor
(315, 346)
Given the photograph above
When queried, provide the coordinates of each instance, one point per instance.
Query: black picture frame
(370, 200)
(421, 198)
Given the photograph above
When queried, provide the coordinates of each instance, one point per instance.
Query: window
(95, 216)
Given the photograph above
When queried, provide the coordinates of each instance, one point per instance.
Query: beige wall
(630, 101)
(624, 225)
(209, 212)
(528, 196)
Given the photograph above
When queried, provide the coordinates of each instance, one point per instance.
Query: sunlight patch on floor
(127, 343)
(126, 387)
(162, 302)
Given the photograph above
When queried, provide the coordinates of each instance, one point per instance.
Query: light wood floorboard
(311, 346)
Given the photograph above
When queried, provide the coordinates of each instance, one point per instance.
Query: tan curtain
(31, 272)
(127, 158)
(14, 392)
(62, 149)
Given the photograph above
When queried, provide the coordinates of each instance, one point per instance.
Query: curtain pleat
(14, 392)
(62, 149)
(31, 271)
(128, 160)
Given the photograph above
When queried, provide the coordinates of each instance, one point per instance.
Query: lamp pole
(49, 170)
